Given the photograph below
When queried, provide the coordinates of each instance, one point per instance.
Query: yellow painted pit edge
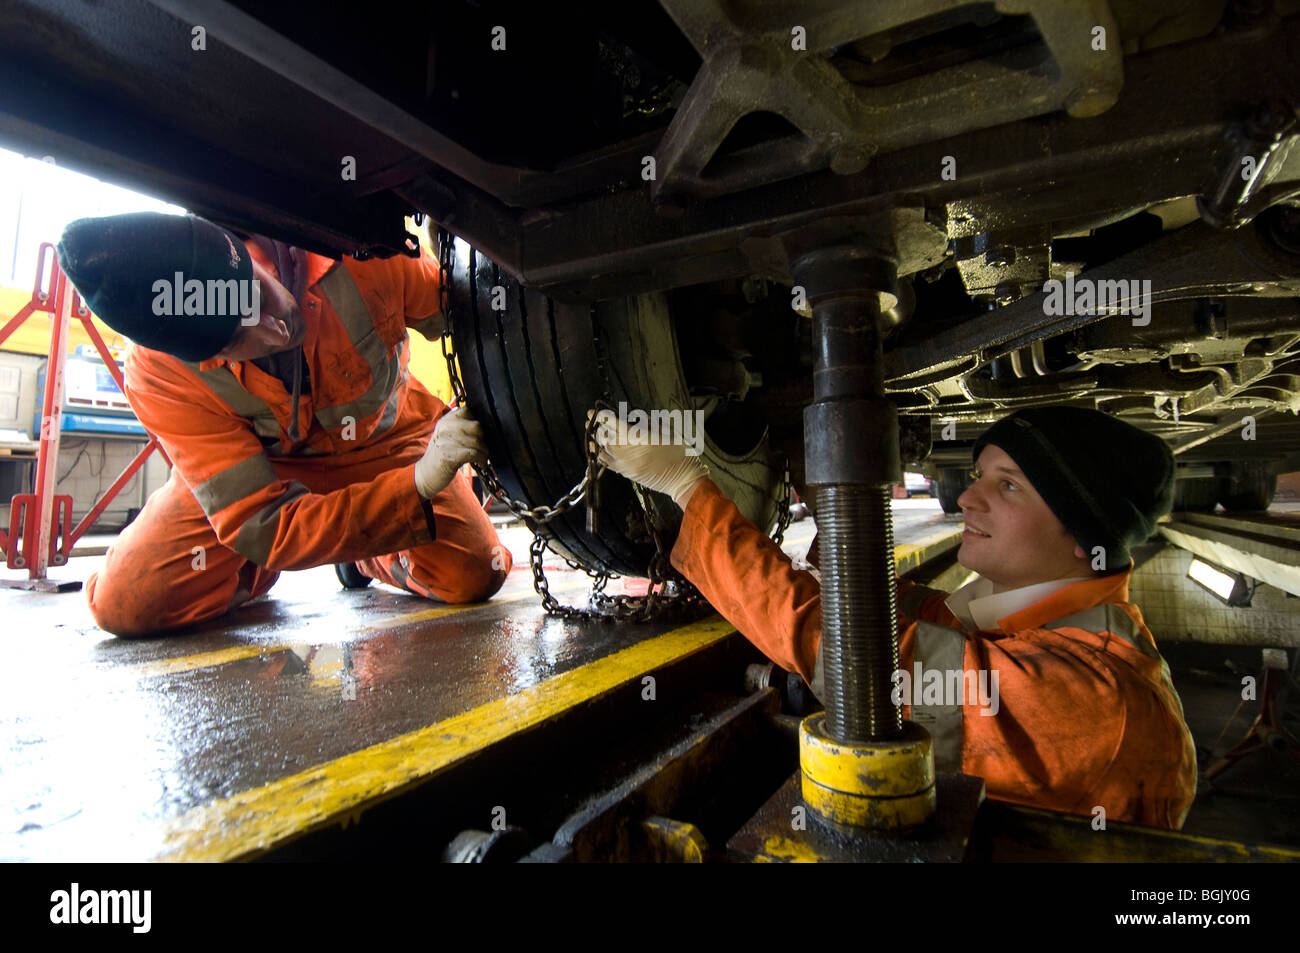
(909, 556)
(262, 817)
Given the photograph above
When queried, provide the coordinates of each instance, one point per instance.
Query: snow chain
(670, 596)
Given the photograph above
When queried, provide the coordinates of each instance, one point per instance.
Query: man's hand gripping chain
(664, 467)
(457, 440)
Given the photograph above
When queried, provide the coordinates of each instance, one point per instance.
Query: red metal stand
(1267, 731)
(40, 523)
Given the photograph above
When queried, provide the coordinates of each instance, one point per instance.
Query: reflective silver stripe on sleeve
(399, 573)
(389, 416)
(223, 383)
(939, 648)
(1107, 618)
(234, 483)
(254, 539)
(345, 298)
(432, 328)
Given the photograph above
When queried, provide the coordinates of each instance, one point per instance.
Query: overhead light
(1230, 587)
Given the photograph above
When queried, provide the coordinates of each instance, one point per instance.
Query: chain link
(670, 595)
(783, 507)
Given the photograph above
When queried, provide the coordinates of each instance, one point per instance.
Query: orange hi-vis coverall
(1085, 715)
(245, 502)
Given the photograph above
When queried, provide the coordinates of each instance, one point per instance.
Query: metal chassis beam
(618, 244)
(751, 63)
(1191, 262)
(1176, 105)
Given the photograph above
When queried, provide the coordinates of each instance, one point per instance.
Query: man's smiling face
(1011, 537)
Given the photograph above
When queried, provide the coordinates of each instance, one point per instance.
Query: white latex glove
(665, 468)
(457, 440)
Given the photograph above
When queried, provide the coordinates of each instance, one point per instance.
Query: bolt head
(1000, 256)
(849, 160)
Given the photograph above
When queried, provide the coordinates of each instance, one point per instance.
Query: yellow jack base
(881, 785)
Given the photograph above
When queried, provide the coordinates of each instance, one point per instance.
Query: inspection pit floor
(109, 747)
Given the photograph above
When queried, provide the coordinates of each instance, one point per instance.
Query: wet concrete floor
(103, 741)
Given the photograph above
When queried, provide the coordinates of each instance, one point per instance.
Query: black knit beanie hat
(1107, 481)
(137, 273)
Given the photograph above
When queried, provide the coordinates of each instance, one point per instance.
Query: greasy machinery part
(796, 698)
(1001, 267)
(739, 745)
(861, 769)
(1064, 172)
(886, 785)
(1260, 146)
(1219, 344)
(251, 37)
(502, 846)
(1014, 834)
(671, 841)
(1192, 262)
(765, 58)
(627, 820)
(972, 828)
(771, 837)
(120, 102)
(851, 461)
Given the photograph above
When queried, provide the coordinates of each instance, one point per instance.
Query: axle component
(862, 768)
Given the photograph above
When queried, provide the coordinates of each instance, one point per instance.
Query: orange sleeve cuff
(747, 578)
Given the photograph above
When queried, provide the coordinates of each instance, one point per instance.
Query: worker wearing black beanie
(137, 273)
(1106, 481)
(1079, 712)
(276, 380)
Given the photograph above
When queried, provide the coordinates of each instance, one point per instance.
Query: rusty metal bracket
(1194, 261)
(779, 832)
(760, 57)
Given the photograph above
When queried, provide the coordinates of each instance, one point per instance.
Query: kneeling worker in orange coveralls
(1085, 714)
(296, 435)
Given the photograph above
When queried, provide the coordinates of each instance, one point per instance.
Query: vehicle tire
(532, 370)
(950, 485)
(1195, 495)
(1248, 486)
